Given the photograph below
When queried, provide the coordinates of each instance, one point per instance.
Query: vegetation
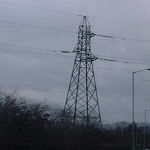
(25, 126)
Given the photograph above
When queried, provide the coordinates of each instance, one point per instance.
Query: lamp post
(133, 122)
(144, 127)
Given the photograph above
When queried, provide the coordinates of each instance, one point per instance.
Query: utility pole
(82, 106)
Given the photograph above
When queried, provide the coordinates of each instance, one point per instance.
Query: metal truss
(81, 106)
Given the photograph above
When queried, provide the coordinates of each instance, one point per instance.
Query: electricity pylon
(81, 106)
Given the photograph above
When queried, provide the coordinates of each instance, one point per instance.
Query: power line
(63, 92)
(33, 70)
(44, 9)
(73, 14)
(35, 26)
(104, 36)
(110, 69)
(122, 20)
(123, 38)
(120, 61)
(28, 52)
(98, 57)
(64, 73)
(111, 57)
(52, 91)
(33, 33)
(111, 60)
(55, 72)
(26, 47)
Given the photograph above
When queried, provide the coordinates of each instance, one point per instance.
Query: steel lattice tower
(81, 106)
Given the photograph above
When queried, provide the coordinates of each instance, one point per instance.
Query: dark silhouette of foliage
(25, 126)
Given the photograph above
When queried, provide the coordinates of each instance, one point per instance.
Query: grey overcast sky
(33, 33)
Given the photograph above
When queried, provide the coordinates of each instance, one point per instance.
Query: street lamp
(133, 122)
(144, 127)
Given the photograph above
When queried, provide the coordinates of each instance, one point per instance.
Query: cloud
(33, 34)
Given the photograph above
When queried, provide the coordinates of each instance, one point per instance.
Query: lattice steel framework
(81, 106)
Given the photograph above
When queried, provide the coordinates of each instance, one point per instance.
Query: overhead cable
(104, 36)
(73, 14)
(35, 26)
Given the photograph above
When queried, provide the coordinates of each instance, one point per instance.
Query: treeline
(26, 126)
